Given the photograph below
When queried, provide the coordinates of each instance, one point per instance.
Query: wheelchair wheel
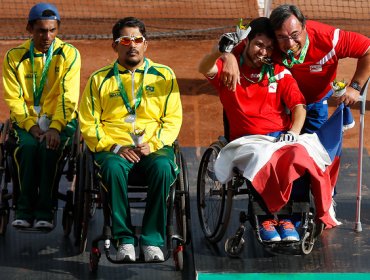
(83, 200)
(307, 244)
(214, 201)
(234, 246)
(94, 260)
(4, 219)
(182, 203)
(67, 218)
(178, 256)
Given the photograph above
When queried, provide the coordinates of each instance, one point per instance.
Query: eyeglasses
(293, 36)
(126, 40)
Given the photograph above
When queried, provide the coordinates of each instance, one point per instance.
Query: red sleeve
(351, 44)
(215, 80)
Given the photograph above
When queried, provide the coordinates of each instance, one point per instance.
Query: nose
(263, 51)
(46, 35)
(290, 42)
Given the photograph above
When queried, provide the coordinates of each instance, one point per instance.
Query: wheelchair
(215, 202)
(92, 196)
(8, 175)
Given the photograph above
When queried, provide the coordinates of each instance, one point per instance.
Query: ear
(114, 46)
(145, 45)
(29, 28)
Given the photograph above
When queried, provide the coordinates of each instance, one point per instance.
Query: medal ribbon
(37, 90)
(291, 57)
(266, 69)
(123, 93)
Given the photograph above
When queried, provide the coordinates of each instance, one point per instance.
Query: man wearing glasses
(42, 85)
(311, 51)
(130, 115)
(258, 105)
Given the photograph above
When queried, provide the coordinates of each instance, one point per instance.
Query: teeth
(294, 49)
(265, 59)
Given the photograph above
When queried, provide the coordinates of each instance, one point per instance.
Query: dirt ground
(202, 110)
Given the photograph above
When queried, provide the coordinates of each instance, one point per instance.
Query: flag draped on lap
(272, 166)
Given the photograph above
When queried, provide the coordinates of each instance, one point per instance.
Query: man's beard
(132, 63)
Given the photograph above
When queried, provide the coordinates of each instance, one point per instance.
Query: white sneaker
(21, 223)
(126, 252)
(43, 225)
(152, 253)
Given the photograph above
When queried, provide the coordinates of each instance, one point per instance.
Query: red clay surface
(202, 110)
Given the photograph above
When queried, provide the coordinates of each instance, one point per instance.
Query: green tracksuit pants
(159, 171)
(37, 169)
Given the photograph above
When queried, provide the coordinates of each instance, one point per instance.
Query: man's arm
(361, 75)
(298, 118)
(90, 119)
(207, 65)
(69, 89)
(171, 119)
(14, 94)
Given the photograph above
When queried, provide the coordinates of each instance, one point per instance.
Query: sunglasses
(126, 40)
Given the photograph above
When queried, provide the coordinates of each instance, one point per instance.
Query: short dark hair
(261, 25)
(282, 12)
(128, 22)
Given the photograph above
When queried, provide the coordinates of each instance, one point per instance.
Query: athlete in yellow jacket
(130, 115)
(41, 80)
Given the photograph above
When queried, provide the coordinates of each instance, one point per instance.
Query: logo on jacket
(149, 89)
(30, 76)
(315, 68)
(114, 94)
(272, 87)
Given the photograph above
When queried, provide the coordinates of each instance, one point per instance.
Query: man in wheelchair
(41, 87)
(130, 116)
(259, 104)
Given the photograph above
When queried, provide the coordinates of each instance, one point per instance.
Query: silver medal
(37, 109)
(44, 122)
(130, 118)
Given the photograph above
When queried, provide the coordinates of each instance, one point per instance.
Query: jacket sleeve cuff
(28, 124)
(56, 125)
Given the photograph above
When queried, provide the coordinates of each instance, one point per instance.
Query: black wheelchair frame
(92, 196)
(67, 166)
(215, 201)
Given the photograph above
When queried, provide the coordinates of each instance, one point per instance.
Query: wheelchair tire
(178, 256)
(307, 244)
(214, 200)
(67, 222)
(94, 261)
(234, 246)
(83, 199)
(182, 203)
(4, 220)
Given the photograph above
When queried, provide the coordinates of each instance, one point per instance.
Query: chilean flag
(272, 166)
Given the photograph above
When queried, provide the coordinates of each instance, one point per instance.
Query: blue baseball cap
(42, 11)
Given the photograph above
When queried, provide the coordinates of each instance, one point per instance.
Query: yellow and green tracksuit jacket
(103, 112)
(60, 95)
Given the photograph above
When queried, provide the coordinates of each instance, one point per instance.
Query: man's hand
(350, 97)
(289, 136)
(52, 138)
(129, 153)
(230, 74)
(143, 149)
(36, 132)
(228, 41)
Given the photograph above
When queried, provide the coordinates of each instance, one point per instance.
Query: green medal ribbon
(266, 69)
(37, 90)
(291, 57)
(123, 92)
